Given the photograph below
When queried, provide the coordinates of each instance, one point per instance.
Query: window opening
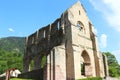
(31, 65)
(80, 26)
(32, 40)
(44, 34)
(58, 25)
(79, 12)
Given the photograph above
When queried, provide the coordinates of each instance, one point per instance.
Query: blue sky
(23, 17)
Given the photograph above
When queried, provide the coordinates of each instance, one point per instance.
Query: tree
(114, 67)
(10, 60)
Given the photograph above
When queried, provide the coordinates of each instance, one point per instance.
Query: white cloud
(111, 11)
(117, 54)
(11, 30)
(103, 41)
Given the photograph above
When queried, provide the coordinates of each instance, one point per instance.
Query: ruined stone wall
(81, 41)
(67, 43)
(61, 59)
(41, 42)
(84, 39)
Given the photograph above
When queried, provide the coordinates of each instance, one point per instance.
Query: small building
(69, 47)
(12, 72)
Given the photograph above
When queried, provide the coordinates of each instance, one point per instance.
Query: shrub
(92, 78)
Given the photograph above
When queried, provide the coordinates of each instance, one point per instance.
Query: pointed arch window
(80, 26)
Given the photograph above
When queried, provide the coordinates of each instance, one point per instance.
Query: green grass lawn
(19, 79)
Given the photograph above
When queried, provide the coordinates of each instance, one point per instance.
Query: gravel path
(110, 78)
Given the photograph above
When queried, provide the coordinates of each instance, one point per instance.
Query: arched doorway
(86, 69)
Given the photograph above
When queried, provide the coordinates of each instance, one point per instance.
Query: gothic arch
(86, 57)
(80, 25)
(86, 69)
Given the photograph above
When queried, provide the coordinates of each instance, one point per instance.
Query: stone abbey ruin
(68, 47)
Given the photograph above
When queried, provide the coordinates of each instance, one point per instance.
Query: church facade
(66, 49)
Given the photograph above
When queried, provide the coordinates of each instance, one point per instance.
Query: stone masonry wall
(41, 42)
(67, 44)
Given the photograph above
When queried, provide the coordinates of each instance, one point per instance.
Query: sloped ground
(111, 78)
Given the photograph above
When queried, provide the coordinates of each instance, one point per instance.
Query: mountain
(13, 44)
(11, 53)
